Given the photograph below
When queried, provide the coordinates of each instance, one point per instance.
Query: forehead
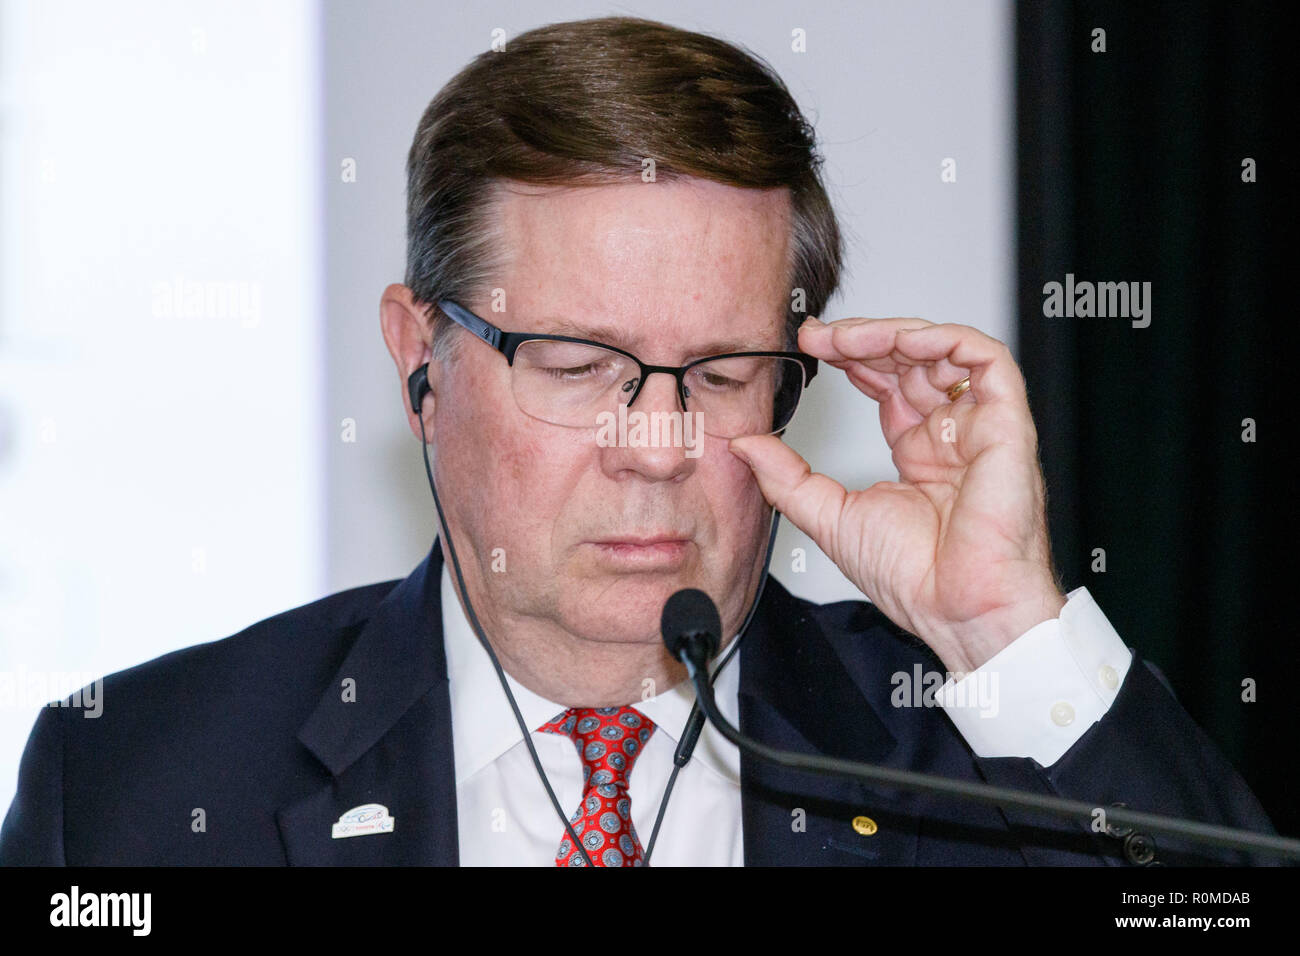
(675, 259)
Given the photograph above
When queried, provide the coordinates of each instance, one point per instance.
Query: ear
(407, 334)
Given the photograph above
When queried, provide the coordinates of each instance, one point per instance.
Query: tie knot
(608, 739)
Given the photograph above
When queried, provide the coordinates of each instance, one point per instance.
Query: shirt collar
(484, 727)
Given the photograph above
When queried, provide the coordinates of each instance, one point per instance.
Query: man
(651, 198)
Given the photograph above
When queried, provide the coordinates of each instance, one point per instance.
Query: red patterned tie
(608, 739)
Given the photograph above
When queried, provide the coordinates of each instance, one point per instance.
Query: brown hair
(583, 103)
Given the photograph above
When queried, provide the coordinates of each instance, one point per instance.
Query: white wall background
(168, 478)
(160, 459)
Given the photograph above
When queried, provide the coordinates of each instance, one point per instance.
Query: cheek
(535, 475)
(510, 459)
(499, 449)
(734, 491)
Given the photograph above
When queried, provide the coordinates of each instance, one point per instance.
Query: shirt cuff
(1041, 692)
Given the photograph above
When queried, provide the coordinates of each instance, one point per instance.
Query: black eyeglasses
(576, 382)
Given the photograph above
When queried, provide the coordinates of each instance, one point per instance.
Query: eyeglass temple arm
(466, 319)
(417, 383)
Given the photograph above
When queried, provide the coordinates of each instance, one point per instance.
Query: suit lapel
(389, 745)
(796, 694)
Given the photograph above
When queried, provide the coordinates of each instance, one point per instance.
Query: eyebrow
(613, 335)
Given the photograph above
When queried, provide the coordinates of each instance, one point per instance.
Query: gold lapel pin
(865, 825)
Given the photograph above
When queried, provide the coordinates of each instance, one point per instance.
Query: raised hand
(956, 551)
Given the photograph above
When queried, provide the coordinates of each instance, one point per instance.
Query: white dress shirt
(1050, 686)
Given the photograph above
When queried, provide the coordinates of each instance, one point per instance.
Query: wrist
(982, 638)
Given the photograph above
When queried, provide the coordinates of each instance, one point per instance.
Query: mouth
(662, 552)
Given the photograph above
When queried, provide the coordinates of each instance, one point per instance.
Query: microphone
(692, 631)
(691, 628)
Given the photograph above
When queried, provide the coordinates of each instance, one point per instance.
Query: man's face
(671, 272)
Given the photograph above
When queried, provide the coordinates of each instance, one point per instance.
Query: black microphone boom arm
(687, 638)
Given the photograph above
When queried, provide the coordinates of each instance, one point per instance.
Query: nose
(657, 443)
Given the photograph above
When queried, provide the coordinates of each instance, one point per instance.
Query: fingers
(870, 341)
(897, 412)
(916, 359)
(812, 502)
(994, 375)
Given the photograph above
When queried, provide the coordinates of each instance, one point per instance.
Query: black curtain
(1130, 169)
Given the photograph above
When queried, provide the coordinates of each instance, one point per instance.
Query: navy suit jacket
(253, 731)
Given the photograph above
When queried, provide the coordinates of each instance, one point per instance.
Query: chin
(623, 608)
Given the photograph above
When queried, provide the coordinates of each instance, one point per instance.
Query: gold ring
(956, 391)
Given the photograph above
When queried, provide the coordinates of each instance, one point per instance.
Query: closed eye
(605, 369)
(720, 382)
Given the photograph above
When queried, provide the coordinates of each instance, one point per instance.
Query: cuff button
(1139, 849)
(1118, 832)
(1062, 714)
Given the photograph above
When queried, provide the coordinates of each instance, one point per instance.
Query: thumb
(812, 502)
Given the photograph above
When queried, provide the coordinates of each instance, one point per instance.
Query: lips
(643, 541)
(653, 552)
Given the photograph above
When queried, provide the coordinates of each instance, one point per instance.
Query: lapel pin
(865, 825)
(362, 821)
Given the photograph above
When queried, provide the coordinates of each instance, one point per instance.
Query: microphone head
(689, 614)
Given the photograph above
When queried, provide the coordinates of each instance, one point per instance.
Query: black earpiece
(418, 387)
